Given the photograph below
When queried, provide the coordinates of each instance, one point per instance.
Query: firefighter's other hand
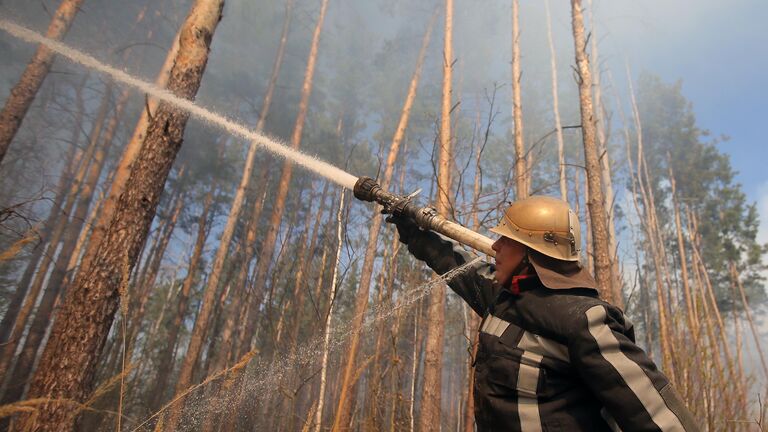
(406, 227)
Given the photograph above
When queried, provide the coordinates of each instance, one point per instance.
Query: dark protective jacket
(554, 360)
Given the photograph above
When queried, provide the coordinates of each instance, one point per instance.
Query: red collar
(514, 287)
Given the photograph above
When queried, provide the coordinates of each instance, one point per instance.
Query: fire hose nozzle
(367, 189)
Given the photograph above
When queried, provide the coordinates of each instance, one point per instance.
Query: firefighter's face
(509, 254)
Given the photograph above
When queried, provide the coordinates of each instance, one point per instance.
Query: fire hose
(367, 189)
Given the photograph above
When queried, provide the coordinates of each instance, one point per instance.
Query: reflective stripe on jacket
(554, 360)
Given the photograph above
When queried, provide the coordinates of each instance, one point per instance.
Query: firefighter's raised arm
(441, 254)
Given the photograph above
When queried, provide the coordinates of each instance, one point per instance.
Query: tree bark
(329, 315)
(23, 93)
(595, 201)
(127, 159)
(521, 173)
(556, 108)
(430, 418)
(344, 410)
(43, 315)
(58, 234)
(605, 167)
(68, 362)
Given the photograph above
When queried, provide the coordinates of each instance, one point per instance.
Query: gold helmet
(544, 224)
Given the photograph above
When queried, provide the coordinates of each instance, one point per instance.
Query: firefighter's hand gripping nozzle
(366, 189)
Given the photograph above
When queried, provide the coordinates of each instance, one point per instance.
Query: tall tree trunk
(747, 311)
(58, 233)
(206, 310)
(306, 259)
(473, 332)
(521, 172)
(127, 159)
(109, 136)
(285, 180)
(165, 362)
(690, 312)
(146, 285)
(228, 347)
(605, 164)
(556, 108)
(201, 323)
(418, 337)
(344, 410)
(648, 220)
(329, 315)
(43, 315)
(595, 201)
(23, 93)
(68, 362)
(267, 102)
(70, 169)
(430, 418)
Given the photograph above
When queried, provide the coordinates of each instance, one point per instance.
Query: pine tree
(68, 363)
(24, 92)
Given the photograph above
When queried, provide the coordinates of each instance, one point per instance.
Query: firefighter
(552, 355)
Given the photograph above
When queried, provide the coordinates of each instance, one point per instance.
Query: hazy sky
(720, 51)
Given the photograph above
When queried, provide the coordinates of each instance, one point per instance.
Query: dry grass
(236, 368)
(32, 406)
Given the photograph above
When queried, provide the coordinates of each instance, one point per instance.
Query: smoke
(273, 145)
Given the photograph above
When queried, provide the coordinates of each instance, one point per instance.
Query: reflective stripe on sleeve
(541, 345)
(527, 384)
(494, 326)
(636, 379)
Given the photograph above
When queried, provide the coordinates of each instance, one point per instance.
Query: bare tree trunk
(473, 332)
(228, 348)
(127, 159)
(109, 136)
(297, 294)
(430, 418)
(68, 362)
(650, 226)
(605, 163)
(267, 102)
(43, 315)
(204, 316)
(745, 303)
(556, 108)
(418, 337)
(147, 283)
(58, 234)
(23, 93)
(595, 203)
(521, 172)
(69, 171)
(307, 256)
(285, 180)
(329, 315)
(165, 362)
(344, 412)
(690, 310)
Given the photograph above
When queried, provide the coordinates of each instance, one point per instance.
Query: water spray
(367, 189)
